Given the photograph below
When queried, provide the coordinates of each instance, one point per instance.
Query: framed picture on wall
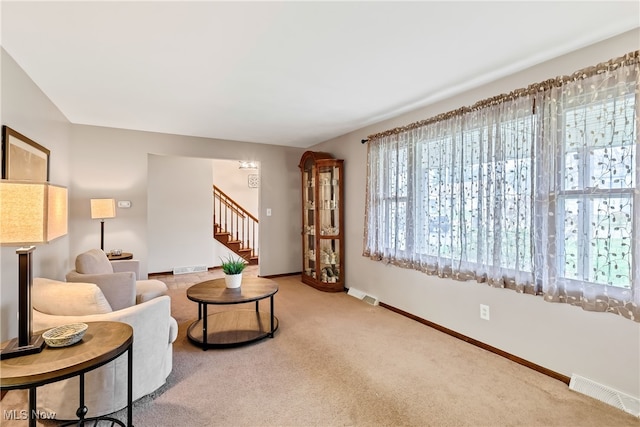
(22, 158)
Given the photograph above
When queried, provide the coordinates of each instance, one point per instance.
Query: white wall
(599, 346)
(107, 162)
(179, 212)
(27, 110)
(234, 182)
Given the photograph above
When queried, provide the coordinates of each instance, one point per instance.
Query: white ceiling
(285, 73)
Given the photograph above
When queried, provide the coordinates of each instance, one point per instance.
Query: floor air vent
(363, 296)
(190, 269)
(605, 394)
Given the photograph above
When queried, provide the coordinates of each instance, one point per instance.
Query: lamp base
(14, 350)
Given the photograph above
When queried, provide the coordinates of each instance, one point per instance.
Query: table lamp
(30, 213)
(102, 209)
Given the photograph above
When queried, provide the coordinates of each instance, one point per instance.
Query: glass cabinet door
(322, 218)
(329, 223)
(308, 219)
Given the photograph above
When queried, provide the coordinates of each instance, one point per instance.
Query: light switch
(124, 203)
(268, 211)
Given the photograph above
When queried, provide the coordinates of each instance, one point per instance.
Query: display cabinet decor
(322, 221)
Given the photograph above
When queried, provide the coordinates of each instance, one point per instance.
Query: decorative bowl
(65, 335)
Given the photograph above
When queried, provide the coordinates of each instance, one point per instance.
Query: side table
(122, 256)
(102, 343)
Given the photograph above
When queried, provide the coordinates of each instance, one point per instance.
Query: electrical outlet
(484, 311)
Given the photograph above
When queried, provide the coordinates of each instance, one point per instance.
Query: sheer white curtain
(535, 191)
(453, 197)
(588, 207)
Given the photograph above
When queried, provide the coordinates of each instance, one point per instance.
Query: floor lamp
(30, 213)
(102, 209)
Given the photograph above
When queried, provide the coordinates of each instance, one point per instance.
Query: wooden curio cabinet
(322, 221)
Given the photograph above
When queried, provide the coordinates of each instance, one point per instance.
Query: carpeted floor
(337, 361)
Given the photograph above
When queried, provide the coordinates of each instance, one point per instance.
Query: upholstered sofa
(118, 280)
(154, 331)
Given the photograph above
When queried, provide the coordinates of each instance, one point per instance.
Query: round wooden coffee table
(231, 328)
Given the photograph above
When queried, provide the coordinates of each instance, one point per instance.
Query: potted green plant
(232, 268)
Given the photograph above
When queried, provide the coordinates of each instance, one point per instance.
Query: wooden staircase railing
(234, 226)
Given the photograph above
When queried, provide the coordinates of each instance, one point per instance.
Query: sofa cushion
(80, 298)
(93, 261)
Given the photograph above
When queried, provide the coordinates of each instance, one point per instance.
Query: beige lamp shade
(31, 212)
(103, 208)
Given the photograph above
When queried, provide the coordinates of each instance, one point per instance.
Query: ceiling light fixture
(244, 164)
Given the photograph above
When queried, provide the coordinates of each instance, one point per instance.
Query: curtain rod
(631, 58)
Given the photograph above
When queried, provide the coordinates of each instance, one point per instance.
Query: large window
(534, 191)
(595, 201)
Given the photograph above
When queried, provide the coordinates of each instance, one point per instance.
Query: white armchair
(117, 279)
(154, 331)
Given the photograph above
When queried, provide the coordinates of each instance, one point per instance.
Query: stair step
(235, 246)
(222, 237)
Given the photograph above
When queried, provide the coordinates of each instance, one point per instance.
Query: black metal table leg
(82, 409)
(204, 327)
(32, 407)
(272, 323)
(130, 386)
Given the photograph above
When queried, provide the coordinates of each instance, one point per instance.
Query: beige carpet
(337, 361)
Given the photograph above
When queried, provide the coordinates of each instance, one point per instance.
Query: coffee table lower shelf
(232, 328)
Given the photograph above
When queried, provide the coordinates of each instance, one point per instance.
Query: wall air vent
(356, 293)
(189, 269)
(605, 394)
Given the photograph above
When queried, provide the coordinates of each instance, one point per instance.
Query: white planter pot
(233, 280)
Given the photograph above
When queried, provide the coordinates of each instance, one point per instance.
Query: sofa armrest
(151, 322)
(118, 288)
(126, 265)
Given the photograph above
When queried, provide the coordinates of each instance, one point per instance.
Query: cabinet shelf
(322, 221)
